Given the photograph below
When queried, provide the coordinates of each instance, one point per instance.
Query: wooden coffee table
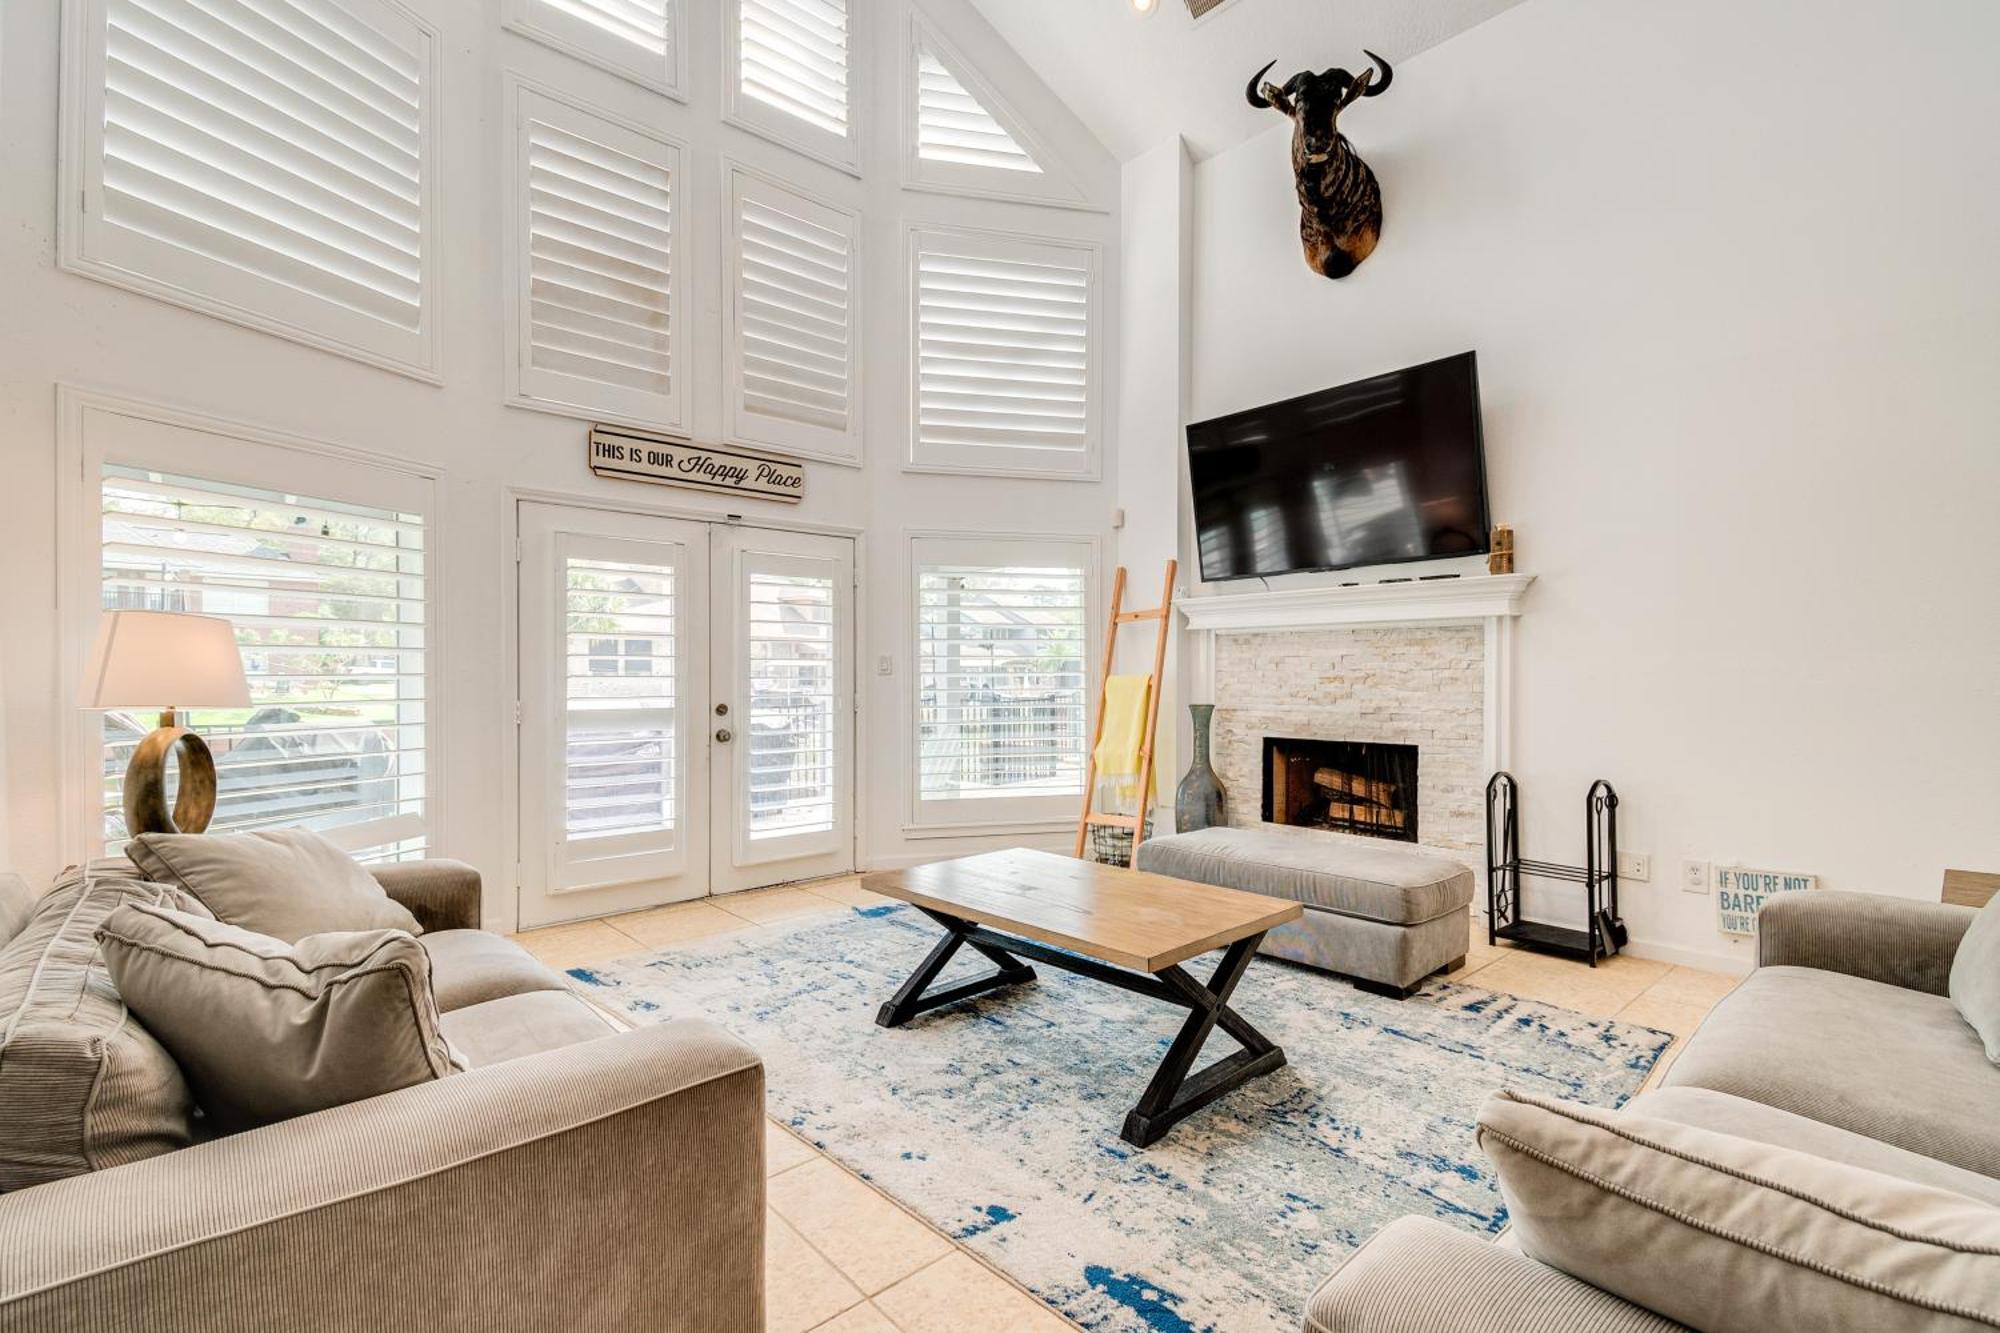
(1122, 927)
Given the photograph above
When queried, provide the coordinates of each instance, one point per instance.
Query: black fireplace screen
(1349, 786)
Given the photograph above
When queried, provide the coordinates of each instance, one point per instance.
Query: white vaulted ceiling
(1137, 80)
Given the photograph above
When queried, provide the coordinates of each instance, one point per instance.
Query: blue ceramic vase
(1200, 801)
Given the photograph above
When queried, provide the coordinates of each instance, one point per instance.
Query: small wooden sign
(1740, 891)
(637, 455)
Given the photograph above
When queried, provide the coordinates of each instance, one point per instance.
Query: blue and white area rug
(998, 1118)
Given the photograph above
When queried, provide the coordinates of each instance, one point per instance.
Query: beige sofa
(1842, 1045)
(576, 1177)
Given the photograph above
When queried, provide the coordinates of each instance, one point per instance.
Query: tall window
(791, 64)
(793, 344)
(1005, 381)
(1003, 712)
(268, 163)
(598, 327)
(328, 604)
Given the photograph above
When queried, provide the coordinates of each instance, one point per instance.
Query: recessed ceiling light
(1144, 7)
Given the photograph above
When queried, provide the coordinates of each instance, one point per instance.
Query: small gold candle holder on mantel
(1500, 558)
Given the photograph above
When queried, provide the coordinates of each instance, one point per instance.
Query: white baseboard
(1735, 963)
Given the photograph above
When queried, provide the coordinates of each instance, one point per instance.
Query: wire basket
(1112, 846)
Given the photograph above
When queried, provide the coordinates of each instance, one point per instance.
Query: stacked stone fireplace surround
(1419, 684)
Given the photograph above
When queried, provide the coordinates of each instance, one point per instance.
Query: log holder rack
(1604, 932)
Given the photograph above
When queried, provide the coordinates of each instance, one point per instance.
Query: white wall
(1158, 215)
(1731, 272)
(59, 328)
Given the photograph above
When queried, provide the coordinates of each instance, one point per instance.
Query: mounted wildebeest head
(1340, 205)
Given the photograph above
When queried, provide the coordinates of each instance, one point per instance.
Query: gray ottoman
(1385, 914)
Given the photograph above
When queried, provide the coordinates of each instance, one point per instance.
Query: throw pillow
(266, 1030)
(1780, 1239)
(82, 1085)
(286, 883)
(1975, 977)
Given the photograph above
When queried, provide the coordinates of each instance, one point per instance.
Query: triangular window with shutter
(963, 138)
(954, 126)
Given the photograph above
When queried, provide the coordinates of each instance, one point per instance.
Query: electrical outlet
(1694, 877)
(1635, 866)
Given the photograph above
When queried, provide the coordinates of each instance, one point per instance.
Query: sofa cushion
(1705, 1108)
(1884, 1061)
(1420, 1275)
(1975, 977)
(285, 883)
(473, 966)
(1336, 872)
(1726, 1233)
(267, 1030)
(82, 1085)
(517, 1025)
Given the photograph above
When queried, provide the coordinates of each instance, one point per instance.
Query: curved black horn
(1377, 89)
(1258, 99)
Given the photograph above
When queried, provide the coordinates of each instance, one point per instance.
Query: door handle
(725, 735)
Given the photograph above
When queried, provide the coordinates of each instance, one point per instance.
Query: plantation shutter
(1003, 708)
(639, 39)
(793, 70)
(953, 126)
(599, 329)
(328, 603)
(1004, 355)
(266, 162)
(795, 321)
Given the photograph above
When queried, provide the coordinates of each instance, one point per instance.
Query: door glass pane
(619, 769)
(791, 732)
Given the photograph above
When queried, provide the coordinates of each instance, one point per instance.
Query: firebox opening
(1365, 787)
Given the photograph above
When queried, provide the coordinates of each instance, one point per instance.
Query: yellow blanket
(1124, 734)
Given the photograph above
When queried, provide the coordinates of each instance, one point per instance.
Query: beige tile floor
(842, 1257)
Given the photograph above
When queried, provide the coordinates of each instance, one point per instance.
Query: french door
(687, 710)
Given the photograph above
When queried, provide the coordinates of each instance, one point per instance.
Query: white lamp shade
(164, 659)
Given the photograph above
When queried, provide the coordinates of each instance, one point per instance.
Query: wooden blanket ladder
(1163, 613)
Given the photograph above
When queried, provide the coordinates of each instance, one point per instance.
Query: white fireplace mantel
(1493, 600)
(1478, 597)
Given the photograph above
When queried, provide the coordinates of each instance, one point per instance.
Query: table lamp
(167, 660)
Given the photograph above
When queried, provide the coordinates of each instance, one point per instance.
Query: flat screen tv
(1375, 472)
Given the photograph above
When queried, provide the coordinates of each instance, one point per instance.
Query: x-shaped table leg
(910, 1001)
(1173, 1095)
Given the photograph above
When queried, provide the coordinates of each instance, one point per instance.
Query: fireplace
(1349, 786)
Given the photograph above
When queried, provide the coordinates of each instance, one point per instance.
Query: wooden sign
(636, 455)
(1740, 891)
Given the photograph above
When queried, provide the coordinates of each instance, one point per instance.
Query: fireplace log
(1374, 816)
(1354, 787)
